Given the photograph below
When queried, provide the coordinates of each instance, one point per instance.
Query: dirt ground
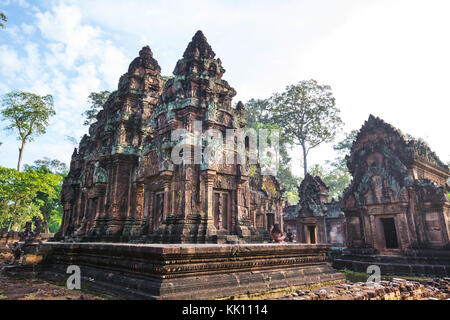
(31, 289)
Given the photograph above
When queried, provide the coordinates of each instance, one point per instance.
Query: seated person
(276, 235)
(289, 236)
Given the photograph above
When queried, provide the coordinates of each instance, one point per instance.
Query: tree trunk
(305, 165)
(11, 222)
(19, 163)
(46, 229)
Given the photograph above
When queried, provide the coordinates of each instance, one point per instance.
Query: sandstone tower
(123, 185)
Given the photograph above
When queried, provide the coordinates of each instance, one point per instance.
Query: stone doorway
(270, 220)
(311, 234)
(221, 211)
(158, 215)
(390, 233)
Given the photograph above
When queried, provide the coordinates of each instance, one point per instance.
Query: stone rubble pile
(396, 289)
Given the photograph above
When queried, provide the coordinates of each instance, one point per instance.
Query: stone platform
(415, 262)
(186, 271)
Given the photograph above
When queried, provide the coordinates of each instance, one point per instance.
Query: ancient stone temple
(123, 184)
(397, 203)
(314, 219)
(142, 220)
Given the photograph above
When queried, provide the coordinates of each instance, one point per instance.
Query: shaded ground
(355, 288)
(32, 289)
(17, 289)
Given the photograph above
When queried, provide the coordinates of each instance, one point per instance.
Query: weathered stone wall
(186, 271)
(7, 238)
(122, 183)
(390, 206)
(314, 219)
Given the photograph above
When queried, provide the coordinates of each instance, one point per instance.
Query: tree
(3, 18)
(258, 116)
(307, 115)
(335, 174)
(96, 101)
(18, 191)
(29, 114)
(257, 111)
(345, 145)
(48, 202)
(54, 166)
(338, 177)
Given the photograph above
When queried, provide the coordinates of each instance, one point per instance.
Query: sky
(386, 58)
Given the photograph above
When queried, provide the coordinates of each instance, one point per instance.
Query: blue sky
(388, 58)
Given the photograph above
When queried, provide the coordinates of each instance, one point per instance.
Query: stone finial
(240, 108)
(145, 52)
(199, 48)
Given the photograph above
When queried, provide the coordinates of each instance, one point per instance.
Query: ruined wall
(7, 238)
(397, 199)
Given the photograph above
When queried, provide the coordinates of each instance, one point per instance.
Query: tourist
(276, 235)
(289, 236)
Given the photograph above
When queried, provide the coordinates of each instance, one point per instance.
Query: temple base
(416, 262)
(187, 271)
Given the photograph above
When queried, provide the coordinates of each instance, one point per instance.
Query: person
(289, 236)
(276, 235)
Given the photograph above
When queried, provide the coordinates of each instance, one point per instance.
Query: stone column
(151, 200)
(167, 177)
(138, 210)
(208, 177)
(139, 200)
(209, 181)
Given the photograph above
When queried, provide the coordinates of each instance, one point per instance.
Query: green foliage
(96, 101)
(48, 165)
(28, 114)
(344, 146)
(307, 115)
(257, 111)
(24, 194)
(292, 197)
(335, 177)
(3, 18)
(336, 174)
(48, 203)
(258, 116)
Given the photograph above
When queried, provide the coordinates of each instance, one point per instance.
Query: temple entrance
(270, 220)
(390, 234)
(158, 210)
(221, 210)
(312, 234)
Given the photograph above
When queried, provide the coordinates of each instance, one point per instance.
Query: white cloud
(389, 58)
(27, 28)
(69, 59)
(11, 63)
